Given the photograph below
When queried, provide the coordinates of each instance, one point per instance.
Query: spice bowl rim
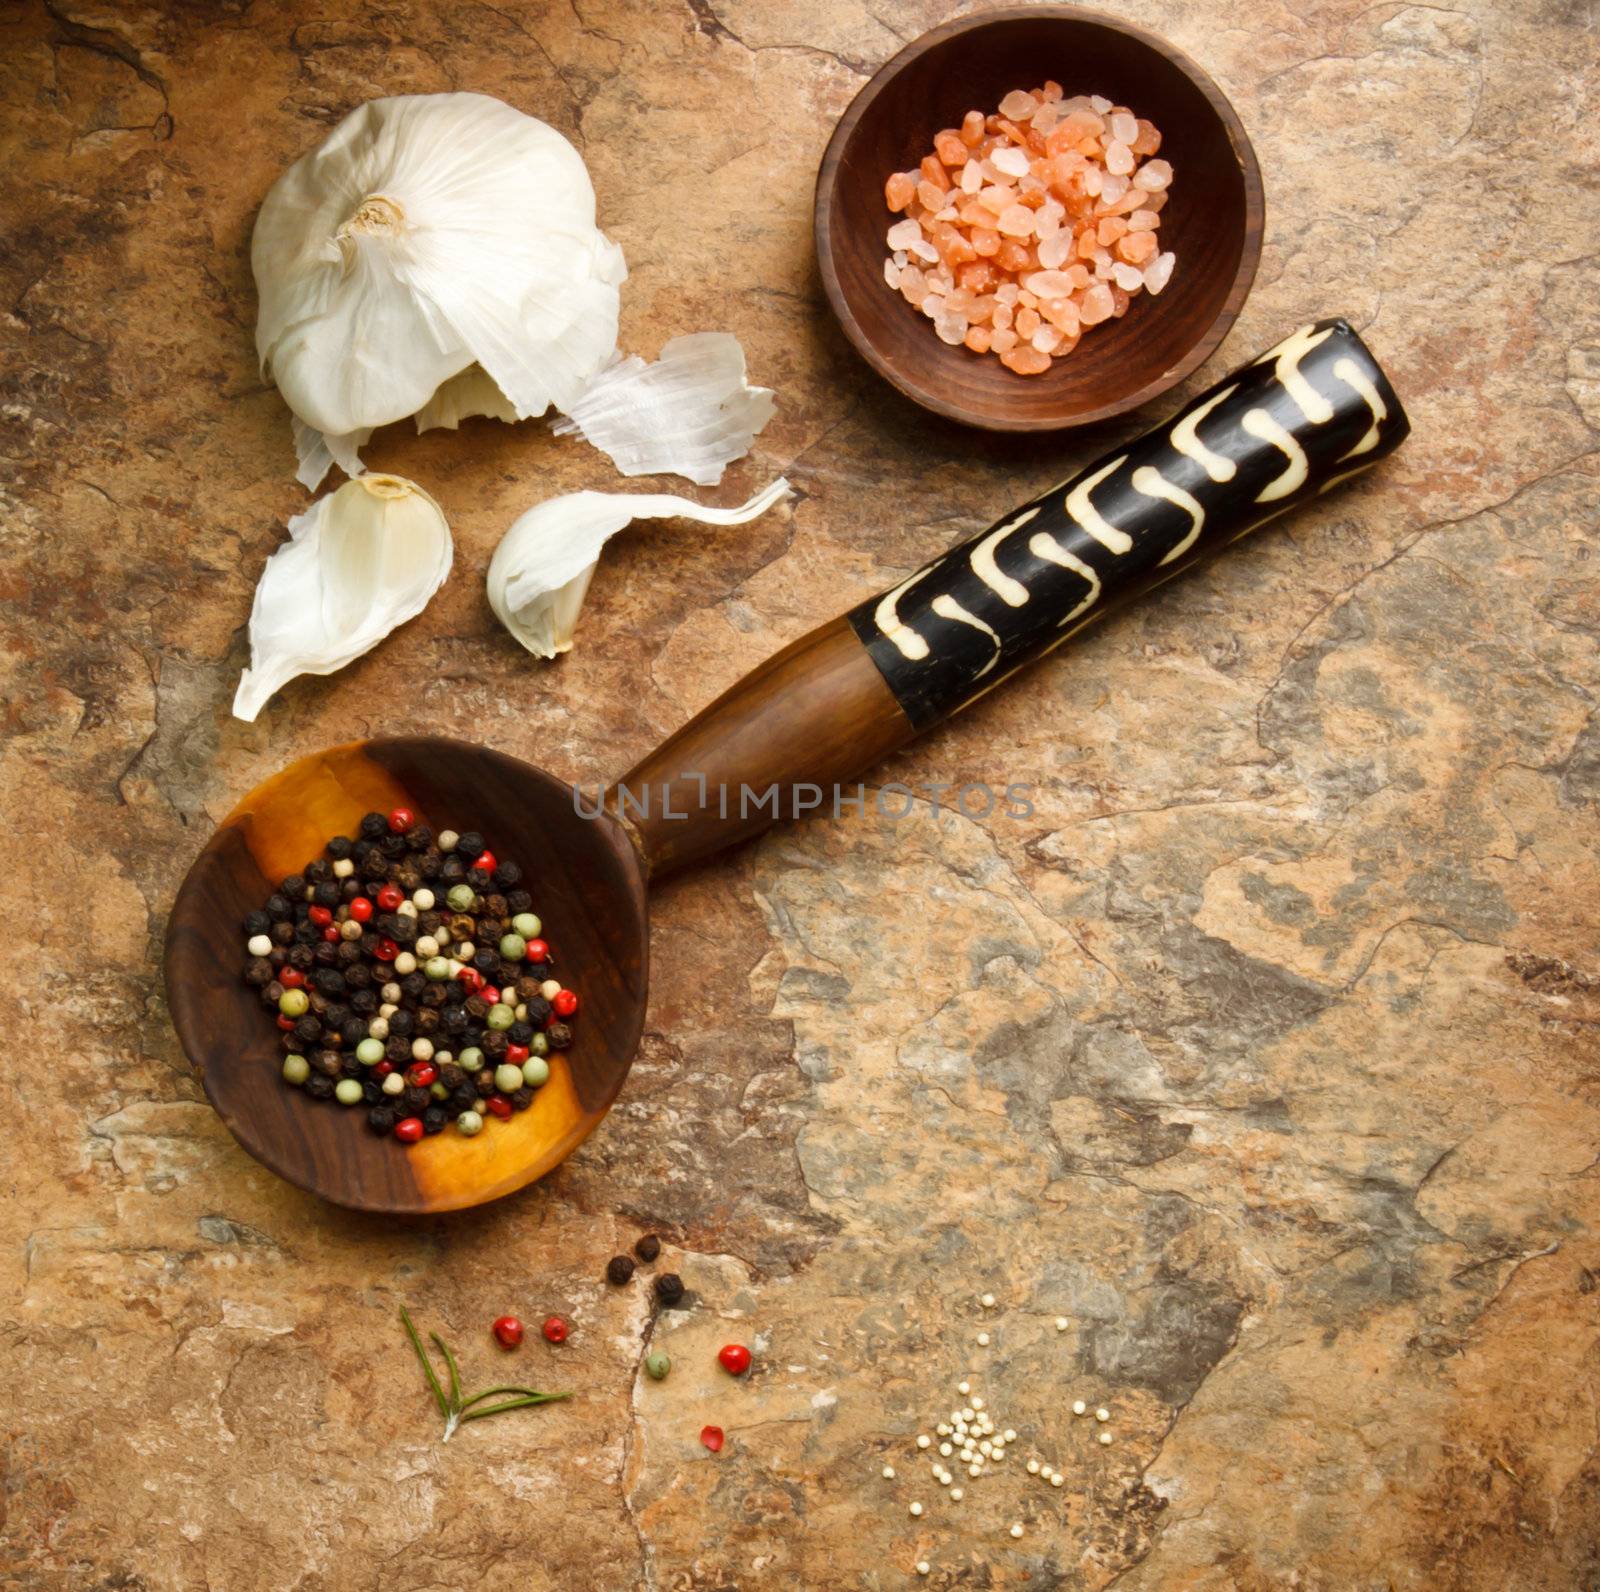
(910, 374)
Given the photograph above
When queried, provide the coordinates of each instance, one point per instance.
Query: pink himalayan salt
(1016, 221)
(1096, 306)
(1018, 106)
(1159, 272)
(1026, 361)
(1136, 247)
(1153, 176)
(950, 147)
(1148, 141)
(1119, 161)
(977, 339)
(1003, 340)
(972, 129)
(1124, 127)
(1142, 221)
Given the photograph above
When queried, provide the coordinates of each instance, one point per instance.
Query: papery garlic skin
(428, 233)
(358, 563)
(541, 570)
(470, 393)
(690, 413)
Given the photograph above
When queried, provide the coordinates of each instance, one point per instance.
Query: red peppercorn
(386, 950)
(564, 1004)
(555, 1330)
(487, 861)
(516, 1054)
(490, 993)
(285, 1023)
(332, 935)
(321, 916)
(390, 897)
(508, 1330)
(538, 951)
(383, 1069)
(711, 1436)
(361, 910)
(402, 819)
(291, 977)
(734, 1358)
(499, 1106)
(421, 1073)
(408, 1129)
(471, 977)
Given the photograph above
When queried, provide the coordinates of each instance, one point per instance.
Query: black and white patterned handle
(1301, 418)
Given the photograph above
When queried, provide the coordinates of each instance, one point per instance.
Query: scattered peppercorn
(647, 1248)
(555, 1330)
(711, 1437)
(353, 957)
(734, 1358)
(508, 1330)
(619, 1269)
(669, 1288)
(657, 1365)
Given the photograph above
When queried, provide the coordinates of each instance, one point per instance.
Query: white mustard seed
(963, 1388)
(968, 1413)
(888, 1472)
(943, 1428)
(974, 1470)
(1033, 1467)
(1105, 1437)
(1009, 1435)
(987, 1301)
(1079, 1407)
(956, 1495)
(1057, 1480)
(923, 1440)
(983, 1340)
(1016, 1530)
(1062, 1323)
(923, 1567)
(946, 1450)
(1102, 1414)
(977, 1404)
(916, 1509)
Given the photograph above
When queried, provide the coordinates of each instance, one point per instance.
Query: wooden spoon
(1305, 415)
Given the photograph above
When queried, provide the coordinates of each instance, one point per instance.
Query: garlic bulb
(691, 413)
(425, 235)
(358, 562)
(541, 569)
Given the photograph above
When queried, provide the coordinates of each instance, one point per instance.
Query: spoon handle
(1286, 427)
(1304, 416)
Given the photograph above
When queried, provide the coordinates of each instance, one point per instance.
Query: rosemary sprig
(452, 1406)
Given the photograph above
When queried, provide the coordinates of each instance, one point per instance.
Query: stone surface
(1263, 1050)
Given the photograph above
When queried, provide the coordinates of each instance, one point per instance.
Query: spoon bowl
(588, 887)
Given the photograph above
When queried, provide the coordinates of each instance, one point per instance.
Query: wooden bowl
(1213, 219)
(587, 886)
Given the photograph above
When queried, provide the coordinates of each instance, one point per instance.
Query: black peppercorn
(353, 1030)
(559, 1035)
(408, 876)
(256, 923)
(452, 871)
(327, 895)
(507, 875)
(648, 1248)
(430, 922)
(292, 889)
(469, 844)
(360, 851)
(350, 1068)
(288, 1043)
(432, 998)
(485, 960)
(434, 1119)
(348, 954)
(307, 934)
(348, 890)
(326, 954)
(283, 933)
(415, 1099)
(454, 1020)
(377, 870)
(358, 976)
(521, 1098)
(404, 931)
(278, 957)
(478, 878)
(396, 1051)
(494, 1042)
(451, 1076)
(455, 993)
(392, 845)
(669, 1288)
(381, 1119)
(271, 993)
(336, 1015)
(462, 1099)
(339, 847)
(619, 1269)
(520, 1033)
(477, 1007)
(427, 1021)
(364, 1003)
(429, 863)
(328, 1062)
(329, 979)
(372, 1092)
(308, 1029)
(539, 1010)
(496, 906)
(258, 971)
(486, 1081)
(374, 826)
(518, 901)
(319, 1087)
(401, 1024)
(317, 872)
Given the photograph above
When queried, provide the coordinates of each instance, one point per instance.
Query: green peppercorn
(539, 1045)
(527, 925)
(437, 968)
(513, 947)
(294, 1003)
(471, 1059)
(501, 1016)
(348, 1092)
(439, 1091)
(296, 1069)
(535, 1071)
(657, 1365)
(461, 897)
(469, 1122)
(369, 1051)
(507, 1078)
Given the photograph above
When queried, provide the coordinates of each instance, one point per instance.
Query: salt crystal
(1003, 341)
(1001, 317)
(1128, 277)
(1099, 103)
(1142, 220)
(1149, 140)
(904, 233)
(1062, 313)
(1153, 176)
(971, 177)
(1056, 249)
(972, 128)
(1159, 272)
(1018, 106)
(1047, 284)
(1026, 361)
(1016, 221)
(1104, 265)
(1119, 158)
(1124, 128)
(952, 329)
(949, 213)
(1010, 160)
(925, 251)
(1007, 292)
(1046, 340)
(891, 273)
(1114, 186)
(1046, 224)
(1094, 180)
(997, 198)
(932, 306)
(899, 256)
(1045, 119)
(1096, 306)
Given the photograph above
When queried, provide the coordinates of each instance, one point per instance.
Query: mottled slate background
(1264, 1051)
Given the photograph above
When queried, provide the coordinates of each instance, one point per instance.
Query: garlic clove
(472, 392)
(426, 234)
(690, 413)
(358, 563)
(541, 570)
